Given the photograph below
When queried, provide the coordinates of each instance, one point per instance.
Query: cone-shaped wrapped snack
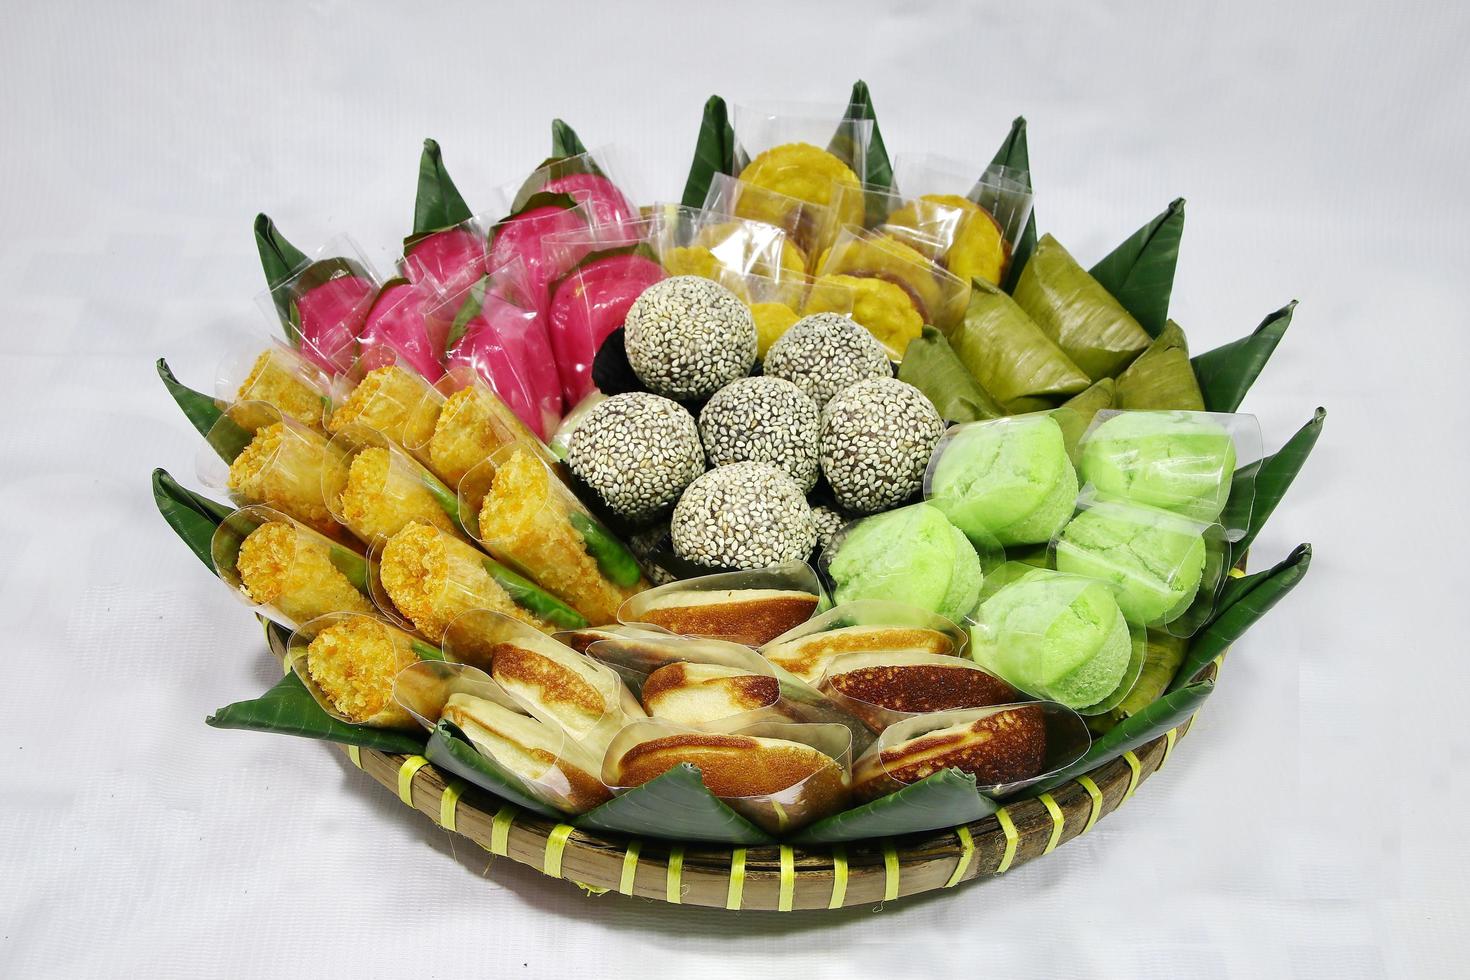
(284, 380)
(385, 490)
(348, 663)
(864, 626)
(557, 768)
(288, 570)
(434, 578)
(1162, 377)
(1008, 353)
(472, 424)
(1073, 309)
(697, 694)
(533, 523)
(288, 467)
(393, 401)
(749, 607)
(1007, 480)
(884, 687)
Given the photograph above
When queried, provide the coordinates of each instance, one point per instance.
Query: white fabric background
(1307, 828)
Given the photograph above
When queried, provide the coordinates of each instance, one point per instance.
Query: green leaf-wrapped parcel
(1226, 373)
(1016, 156)
(1140, 272)
(1162, 377)
(1008, 353)
(1075, 311)
(932, 366)
(714, 152)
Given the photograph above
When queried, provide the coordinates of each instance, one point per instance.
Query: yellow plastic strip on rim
(630, 867)
(406, 772)
(788, 879)
(1009, 826)
(500, 830)
(1170, 737)
(967, 851)
(1058, 821)
(891, 873)
(737, 880)
(1137, 768)
(673, 889)
(1097, 801)
(449, 804)
(556, 843)
(355, 754)
(839, 878)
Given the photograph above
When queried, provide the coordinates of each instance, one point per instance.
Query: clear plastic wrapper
(886, 687)
(803, 222)
(749, 607)
(398, 328)
(588, 178)
(805, 151)
(863, 626)
(777, 303)
(1005, 747)
(381, 393)
(472, 425)
(348, 662)
(322, 306)
(1184, 462)
(693, 242)
(608, 266)
(1056, 636)
(548, 679)
(1007, 480)
(288, 572)
(284, 464)
(380, 489)
(561, 441)
(532, 755)
(448, 258)
(897, 288)
(911, 555)
(1001, 193)
(779, 776)
(527, 518)
(277, 375)
(1167, 569)
(494, 334)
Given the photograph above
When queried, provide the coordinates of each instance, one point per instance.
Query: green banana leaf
(1140, 272)
(879, 167)
(224, 436)
(1227, 373)
(280, 260)
(1242, 602)
(289, 709)
(1081, 409)
(438, 204)
(1013, 153)
(1008, 354)
(1077, 313)
(1162, 377)
(945, 799)
(932, 366)
(714, 152)
(675, 805)
(193, 518)
(1167, 712)
(1259, 487)
(451, 752)
(564, 140)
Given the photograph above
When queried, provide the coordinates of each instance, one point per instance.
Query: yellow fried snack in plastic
(805, 173)
(691, 260)
(771, 321)
(979, 249)
(885, 309)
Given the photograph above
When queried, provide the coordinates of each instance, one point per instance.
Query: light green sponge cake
(1180, 461)
(1157, 559)
(912, 555)
(1007, 480)
(1054, 636)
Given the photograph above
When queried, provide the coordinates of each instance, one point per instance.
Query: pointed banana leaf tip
(1176, 206)
(1320, 415)
(431, 147)
(263, 224)
(166, 373)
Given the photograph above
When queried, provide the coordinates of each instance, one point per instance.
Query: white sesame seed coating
(638, 452)
(763, 420)
(877, 436)
(687, 337)
(824, 353)
(745, 515)
(828, 521)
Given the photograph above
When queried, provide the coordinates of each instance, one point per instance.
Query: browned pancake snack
(1006, 746)
(807, 656)
(739, 766)
(696, 694)
(875, 685)
(749, 616)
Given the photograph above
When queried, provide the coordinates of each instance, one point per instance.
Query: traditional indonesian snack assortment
(832, 481)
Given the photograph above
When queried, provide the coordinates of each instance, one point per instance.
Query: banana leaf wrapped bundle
(1076, 312)
(1162, 377)
(1012, 358)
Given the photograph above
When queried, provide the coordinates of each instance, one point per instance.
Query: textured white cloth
(1309, 825)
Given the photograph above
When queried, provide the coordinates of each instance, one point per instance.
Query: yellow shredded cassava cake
(434, 579)
(285, 566)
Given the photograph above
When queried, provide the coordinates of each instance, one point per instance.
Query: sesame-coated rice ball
(687, 337)
(763, 420)
(828, 521)
(825, 352)
(877, 436)
(638, 452)
(745, 515)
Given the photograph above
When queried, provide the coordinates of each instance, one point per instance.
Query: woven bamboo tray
(773, 878)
